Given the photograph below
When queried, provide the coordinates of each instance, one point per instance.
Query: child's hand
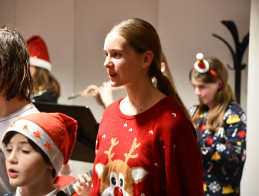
(82, 186)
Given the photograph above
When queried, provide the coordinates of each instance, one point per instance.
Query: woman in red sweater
(146, 144)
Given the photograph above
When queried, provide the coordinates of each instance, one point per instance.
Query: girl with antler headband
(146, 144)
(221, 122)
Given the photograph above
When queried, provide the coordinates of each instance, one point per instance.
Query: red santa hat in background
(53, 133)
(39, 55)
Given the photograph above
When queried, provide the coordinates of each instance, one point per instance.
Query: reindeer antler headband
(202, 66)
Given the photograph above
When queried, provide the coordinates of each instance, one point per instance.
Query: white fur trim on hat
(40, 63)
(40, 138)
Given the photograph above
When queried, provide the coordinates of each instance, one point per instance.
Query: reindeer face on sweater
(121, 176)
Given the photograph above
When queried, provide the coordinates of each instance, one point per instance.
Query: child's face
(206, 92)
(25, 166)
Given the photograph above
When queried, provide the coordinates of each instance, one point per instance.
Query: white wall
(251, 172)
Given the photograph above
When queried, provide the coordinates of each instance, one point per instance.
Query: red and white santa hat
(53, 133)
(39, 55)
(202, 66)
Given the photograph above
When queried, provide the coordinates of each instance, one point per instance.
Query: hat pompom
(199, 56)
(65, 169)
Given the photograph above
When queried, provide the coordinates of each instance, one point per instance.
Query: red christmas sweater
(151, 153)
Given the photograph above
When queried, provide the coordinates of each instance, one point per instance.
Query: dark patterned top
(223, 152)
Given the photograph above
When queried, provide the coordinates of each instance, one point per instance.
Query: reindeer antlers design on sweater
(121, 176)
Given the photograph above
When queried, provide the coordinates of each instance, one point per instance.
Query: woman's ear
(148, 58)
(220, 84)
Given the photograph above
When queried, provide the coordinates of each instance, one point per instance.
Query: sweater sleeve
(183, 162)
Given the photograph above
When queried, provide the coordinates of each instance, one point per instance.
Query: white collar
(52, 193)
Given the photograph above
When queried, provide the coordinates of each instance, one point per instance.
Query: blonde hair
(44, 80)
(143, 37)
(223, 96)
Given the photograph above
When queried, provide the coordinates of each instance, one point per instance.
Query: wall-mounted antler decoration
(236, 55)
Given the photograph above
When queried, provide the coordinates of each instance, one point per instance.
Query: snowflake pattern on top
(223, 152)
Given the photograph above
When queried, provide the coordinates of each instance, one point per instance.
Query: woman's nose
(107, 62)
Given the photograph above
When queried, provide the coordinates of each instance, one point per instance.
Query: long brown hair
(44, 80)
(223, 96)
(143, 37)
(15, 77)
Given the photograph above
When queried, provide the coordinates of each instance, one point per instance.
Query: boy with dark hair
(36, 146)
(15, 88)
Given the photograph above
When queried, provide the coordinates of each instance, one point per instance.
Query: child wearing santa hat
(36, 147)
(46, 88)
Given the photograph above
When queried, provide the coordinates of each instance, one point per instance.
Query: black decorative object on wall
(236, 55)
